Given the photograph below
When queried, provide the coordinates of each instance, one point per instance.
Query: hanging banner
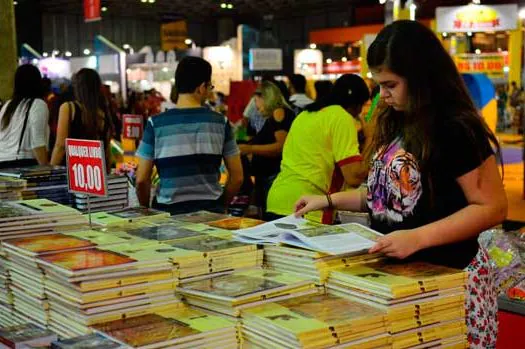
(173, 35)
(477, 18)
(91, 10)
(490, 64)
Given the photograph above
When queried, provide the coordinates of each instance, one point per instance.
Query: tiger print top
(400, 195)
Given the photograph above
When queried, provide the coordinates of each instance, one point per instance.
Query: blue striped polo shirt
(187, 147)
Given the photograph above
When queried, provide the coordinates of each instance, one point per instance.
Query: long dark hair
(87, 89)
(349, 90)
(28, 85)
(437, 94)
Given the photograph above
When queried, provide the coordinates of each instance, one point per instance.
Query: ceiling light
(522, 13)
(313, 46)
(151, 1)
(165, 69)
(230, 6)
(344, 59)
(15, 3)
(413, 7)
(143, 1)
(45, 54)
(382, 2)
(87, 51)
(445, 34)
(328, 60)
(223, 5)
(188, 41)
(478, 51)
(469, 33)
(104, 8)
(56, 52)
(476, 2)
(68, 54)
(369, 75)
(34, 61)
(126, 46)
(506, 69)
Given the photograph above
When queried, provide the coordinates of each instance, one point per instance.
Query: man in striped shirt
(187, 145)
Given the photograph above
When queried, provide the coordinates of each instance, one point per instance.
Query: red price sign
(132, 126)
(86, 167)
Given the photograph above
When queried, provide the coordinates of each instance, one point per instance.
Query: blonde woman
(267, 146)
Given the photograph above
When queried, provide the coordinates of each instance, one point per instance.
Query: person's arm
(143, 181)
(487, 207)
(235, 177)
(146, 155)
(64, 121)
(354, 200)
(41, 155)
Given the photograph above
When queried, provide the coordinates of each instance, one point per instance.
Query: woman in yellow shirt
(321, 154)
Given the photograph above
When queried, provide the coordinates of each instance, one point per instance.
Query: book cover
(90, 341)
(244, 283)
(207, 243)
(145, 330)
(48, 243)
(16, 335)
(80, 260)
(199, 217)
(235, 223)
(163, 233)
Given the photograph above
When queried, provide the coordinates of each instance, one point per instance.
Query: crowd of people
(424, 167)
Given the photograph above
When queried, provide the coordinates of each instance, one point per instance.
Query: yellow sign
(172, 35)
(490, 64)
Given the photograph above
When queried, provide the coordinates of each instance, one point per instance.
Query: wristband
(330, 203)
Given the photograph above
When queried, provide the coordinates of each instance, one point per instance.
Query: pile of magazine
(424, 304)
(42, 182)
(117, 198)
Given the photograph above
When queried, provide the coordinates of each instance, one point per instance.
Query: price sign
(132, 126)
(86, 167)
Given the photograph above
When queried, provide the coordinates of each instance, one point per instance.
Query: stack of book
(43, 182)
(127, 215)
(27, 279)
(341, 245)
(89, 341)
(33, 217)
(117, 198)
(6, 296)
(425, 304)
(181, 327)
(107, 283)
(11, 188)
(320, 321)
(229, 294)
(26, 336)
(206, 254)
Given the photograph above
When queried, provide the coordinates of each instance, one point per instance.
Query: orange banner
(173, 35)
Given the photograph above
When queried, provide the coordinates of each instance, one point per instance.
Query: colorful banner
(91, 10)
(491, 64)
(173, 35)
(477, 18)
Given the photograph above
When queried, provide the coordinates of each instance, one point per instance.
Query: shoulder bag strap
(29, 105)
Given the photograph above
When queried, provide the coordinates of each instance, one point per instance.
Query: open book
(330, 239)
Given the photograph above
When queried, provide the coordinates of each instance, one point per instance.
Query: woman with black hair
(24, 129)
(434, 183)
(321, 153)
(86, 118)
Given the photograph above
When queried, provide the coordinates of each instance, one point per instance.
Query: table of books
(142, 279)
